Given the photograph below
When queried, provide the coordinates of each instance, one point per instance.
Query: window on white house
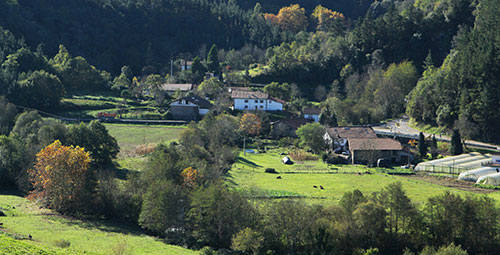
(261, 101)
(246, 106)
(256, 101)
(246, 101)
(261, 106)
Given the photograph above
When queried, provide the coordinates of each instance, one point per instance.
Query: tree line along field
(248, 172)
(53, 234)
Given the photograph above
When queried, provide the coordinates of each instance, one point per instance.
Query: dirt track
(450, 182)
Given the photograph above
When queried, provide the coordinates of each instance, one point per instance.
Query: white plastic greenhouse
(474, 175)
(455, 164)
(492, 179)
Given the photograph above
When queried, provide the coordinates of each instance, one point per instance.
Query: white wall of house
(203, 111)
(183, 103)
(315, 117)
(257, 104)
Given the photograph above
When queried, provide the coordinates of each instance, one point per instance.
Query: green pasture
(297, 180)
(129, 136)
(48, 229)
(12, 246)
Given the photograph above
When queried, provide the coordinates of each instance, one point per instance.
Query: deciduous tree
(61, 178)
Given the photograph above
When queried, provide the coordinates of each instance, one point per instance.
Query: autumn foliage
(327, 19)
(190, 177)
(250, 124)
(291, 18)
(61, 178)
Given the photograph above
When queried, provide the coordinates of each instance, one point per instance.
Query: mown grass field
(92, 237)
(297, 180)
(131, 136)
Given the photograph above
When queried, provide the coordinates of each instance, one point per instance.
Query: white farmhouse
(255, 101)
(311, 113)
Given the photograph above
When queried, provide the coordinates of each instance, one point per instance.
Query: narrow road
(399, 127)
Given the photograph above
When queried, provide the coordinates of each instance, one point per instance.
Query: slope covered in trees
(464, 92)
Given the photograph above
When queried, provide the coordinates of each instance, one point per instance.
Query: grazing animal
(279, 177)
(321, 187)
(314, 186)
(30, 237)
(1, 224)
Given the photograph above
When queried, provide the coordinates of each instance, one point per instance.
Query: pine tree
(422, 145)
(212, 60)
(434, 148)
(456, 143)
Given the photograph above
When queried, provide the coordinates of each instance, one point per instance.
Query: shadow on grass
(246, 162)
(110, 226)
(123, 173)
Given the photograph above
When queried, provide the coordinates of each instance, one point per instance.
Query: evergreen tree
(212, 60)
(456, 143)
(422, 145)
(434, 148)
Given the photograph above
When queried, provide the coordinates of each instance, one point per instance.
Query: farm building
(337, 136)
(255, 100)
(311, 113)
(368, 150)
(189, 108)
(456, 164)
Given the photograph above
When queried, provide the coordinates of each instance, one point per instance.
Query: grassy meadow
(297, 180)
(131, 136)
(51, 232)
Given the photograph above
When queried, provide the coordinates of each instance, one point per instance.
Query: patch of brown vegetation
(451, 182)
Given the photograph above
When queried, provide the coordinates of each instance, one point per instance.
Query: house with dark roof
(311, 113)
(190, 108)
(255, 100)
(369, 150)
(337, 136)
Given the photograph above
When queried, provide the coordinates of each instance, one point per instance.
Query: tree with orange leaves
(61, 178)
(291, 18)
(190, 176)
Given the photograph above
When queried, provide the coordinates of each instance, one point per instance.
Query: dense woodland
(435, 60)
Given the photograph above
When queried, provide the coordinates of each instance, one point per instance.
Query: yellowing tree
(190, 176)
(327, 19)
(250, 124)
(61, 178)
(291, 18)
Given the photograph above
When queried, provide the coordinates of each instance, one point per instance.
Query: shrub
(62, 243)
(299, 155)
(271, 171)
(144, 149)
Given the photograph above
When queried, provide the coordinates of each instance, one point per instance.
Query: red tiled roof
(378, 144)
